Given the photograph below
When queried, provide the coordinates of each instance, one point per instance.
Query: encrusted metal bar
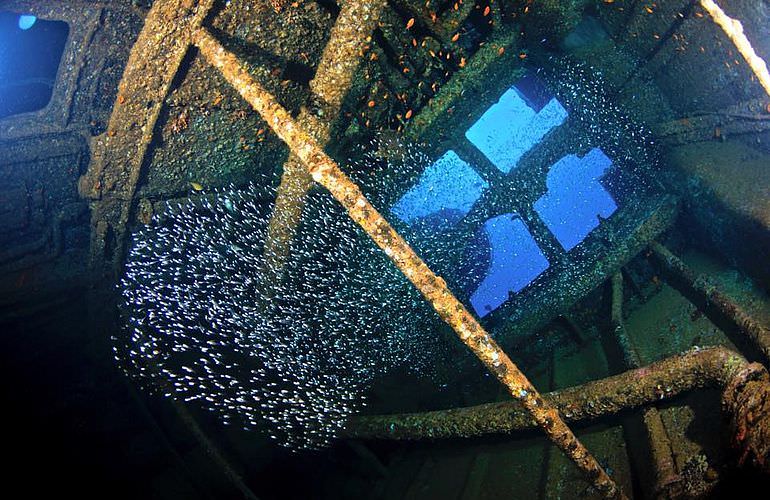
(665, 379)
(711, 299)
(333, 79)
(630, 356)
(327, 173)
(734, 31)
(118, 155)
(117, 160)
(746, 117)
(657, 436)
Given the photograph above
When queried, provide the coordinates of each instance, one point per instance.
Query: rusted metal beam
(734, 31)
(658, 440)
(747, 117)
(117, 159)
(695, 369)
(334, 76)
(118, 154)
(630, 356)
(711, 299)
(327, 173)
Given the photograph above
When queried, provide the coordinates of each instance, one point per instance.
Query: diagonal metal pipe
(712, 299)
(327, 173)
(334, 76)
(734, 31)
(661, 380)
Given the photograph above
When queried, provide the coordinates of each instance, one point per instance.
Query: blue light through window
(30, 52)
(576, 199)
(26, 21)
(515, 261)
(512, 127)
(504, 253)
(448, 188)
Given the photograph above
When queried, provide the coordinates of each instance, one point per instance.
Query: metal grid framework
(171, 28)
(326, 172)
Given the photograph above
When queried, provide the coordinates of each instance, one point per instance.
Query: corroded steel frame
(334, 76)
(327, 173)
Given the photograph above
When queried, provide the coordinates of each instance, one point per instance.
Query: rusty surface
(734, 31)
(711, 299)
(327, 173)
(334, 76)
(665, 379)
(342, 55)
(658, 440)
(747, 400)
(118, 154)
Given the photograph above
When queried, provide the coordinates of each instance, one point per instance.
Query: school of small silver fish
(295, 362)
(298, 361)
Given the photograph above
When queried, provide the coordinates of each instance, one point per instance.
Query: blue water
(515, 261)
(26, 21)
(510, 128)
(575, 199)
(571, 208)
(449, 186)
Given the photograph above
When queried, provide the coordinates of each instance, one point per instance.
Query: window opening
(516, 123)
(30, 52)
(576, 201)
(447, 189)
(515, 261)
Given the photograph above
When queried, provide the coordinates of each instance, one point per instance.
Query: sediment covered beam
(119, 154)
(658, 440)
(327, 173)
(709, 297)
(665, 379)
(332, 81)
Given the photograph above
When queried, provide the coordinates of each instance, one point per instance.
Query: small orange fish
(410, 23)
